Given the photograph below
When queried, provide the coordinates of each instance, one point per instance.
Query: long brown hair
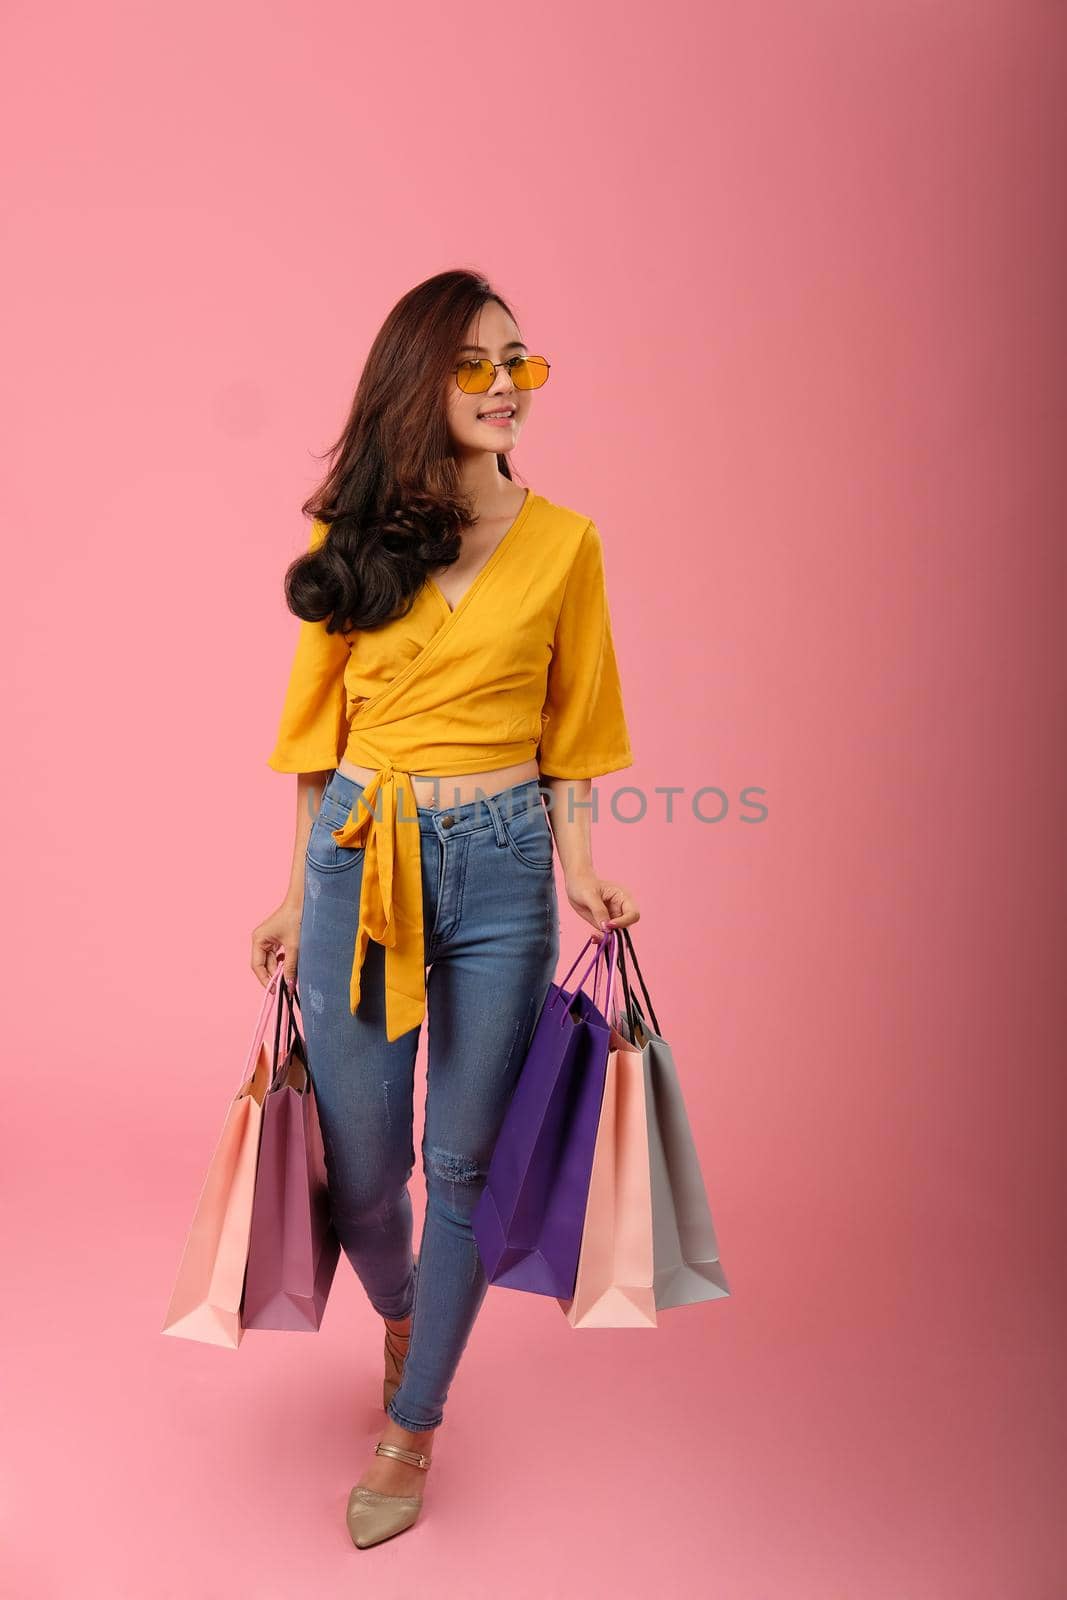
(392, 498)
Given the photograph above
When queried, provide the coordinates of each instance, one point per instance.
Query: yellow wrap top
(523, 667)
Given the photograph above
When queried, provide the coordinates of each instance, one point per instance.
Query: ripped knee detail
(453, 1168)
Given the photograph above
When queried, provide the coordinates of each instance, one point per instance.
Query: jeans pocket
(529, 836)
(323, 852)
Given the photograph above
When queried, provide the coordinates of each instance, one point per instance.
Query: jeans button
(448, 820)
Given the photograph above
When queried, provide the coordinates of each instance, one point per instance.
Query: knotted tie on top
(385, 822)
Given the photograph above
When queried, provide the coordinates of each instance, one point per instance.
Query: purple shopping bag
(528, 1220)
(293, 1247)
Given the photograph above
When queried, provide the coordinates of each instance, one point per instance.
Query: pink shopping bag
(206, 1302)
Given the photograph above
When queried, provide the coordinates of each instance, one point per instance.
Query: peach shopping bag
(613, 1288)
(206, 1302)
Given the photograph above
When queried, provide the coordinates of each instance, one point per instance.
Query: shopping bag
(206, 1301)
(528, 1219)
(293, 1249)
(613, 1287)
(686, 1250)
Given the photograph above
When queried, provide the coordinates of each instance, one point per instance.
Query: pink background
(799, 267)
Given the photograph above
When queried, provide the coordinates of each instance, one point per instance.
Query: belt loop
(494, 812)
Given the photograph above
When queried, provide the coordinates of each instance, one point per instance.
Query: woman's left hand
(601, 901)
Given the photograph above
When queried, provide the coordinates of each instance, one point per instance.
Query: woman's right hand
(277, 939)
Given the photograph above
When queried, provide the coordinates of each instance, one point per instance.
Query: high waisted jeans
(491, 922)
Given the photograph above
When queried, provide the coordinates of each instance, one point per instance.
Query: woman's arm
(584, 733)
(282, 927)
(600, 901)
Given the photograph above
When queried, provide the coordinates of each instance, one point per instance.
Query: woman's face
(492, 333)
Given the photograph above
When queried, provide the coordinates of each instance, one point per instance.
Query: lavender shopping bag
(293, 1248)
(528, 1220)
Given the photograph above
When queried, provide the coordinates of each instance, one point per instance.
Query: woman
(454, 690)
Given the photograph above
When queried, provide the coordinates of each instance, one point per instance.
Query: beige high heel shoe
(373, 1516)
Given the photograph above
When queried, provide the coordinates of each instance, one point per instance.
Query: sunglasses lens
(529, 372)
(474, 377)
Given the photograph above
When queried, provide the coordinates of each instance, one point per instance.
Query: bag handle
(269, 996)
(284, 994)
(631, 1004)
(592, 939)
(609, 993)
(574, 963)
(294, 999)
(631, 1009)
(601, 941)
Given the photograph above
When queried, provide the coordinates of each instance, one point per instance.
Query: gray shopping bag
(686, 1265)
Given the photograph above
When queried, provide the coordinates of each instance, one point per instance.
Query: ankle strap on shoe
(416, 1457)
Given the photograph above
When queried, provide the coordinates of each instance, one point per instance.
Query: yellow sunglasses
(527, 372)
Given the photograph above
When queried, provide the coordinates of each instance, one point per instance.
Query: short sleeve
(313, 731)
(583, 724)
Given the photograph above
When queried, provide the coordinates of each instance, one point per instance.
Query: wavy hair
(391, 499)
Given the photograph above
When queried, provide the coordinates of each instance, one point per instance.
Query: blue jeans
(491, 928)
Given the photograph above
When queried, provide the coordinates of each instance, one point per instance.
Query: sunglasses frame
(484, 360)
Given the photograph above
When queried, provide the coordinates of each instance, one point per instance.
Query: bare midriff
(457, 790)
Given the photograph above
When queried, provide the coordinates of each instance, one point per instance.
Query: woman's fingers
(606, 903)
(621, 908)
(276, 939)
(262, 952)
